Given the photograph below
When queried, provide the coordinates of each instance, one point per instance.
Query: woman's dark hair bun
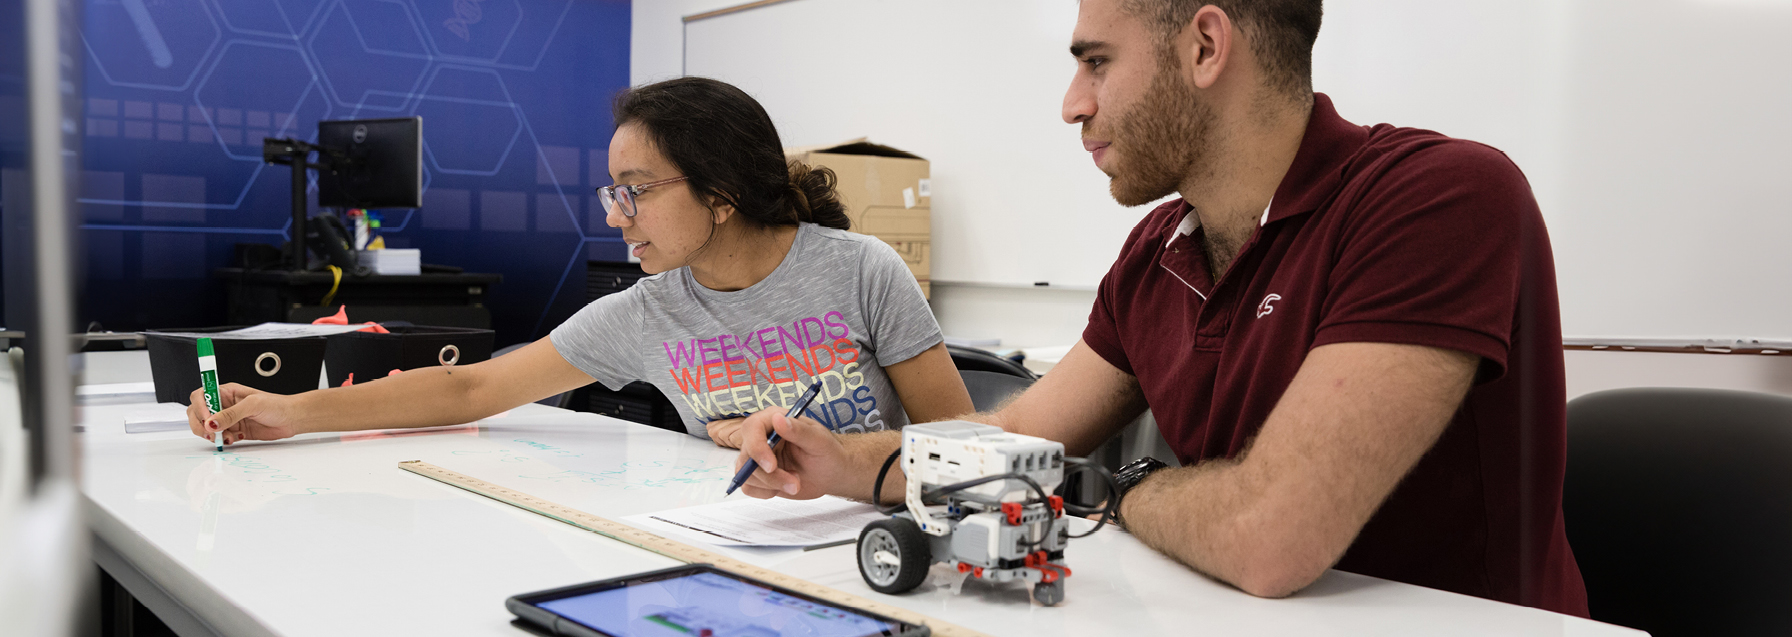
(724, 143)
(813, 197)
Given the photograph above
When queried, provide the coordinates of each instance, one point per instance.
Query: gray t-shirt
(838, 309)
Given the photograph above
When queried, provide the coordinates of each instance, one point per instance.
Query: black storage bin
(277, 365)
(371, 356)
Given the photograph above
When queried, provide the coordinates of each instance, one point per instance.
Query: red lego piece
(1012, 510)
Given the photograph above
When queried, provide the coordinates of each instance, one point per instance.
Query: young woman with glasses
(758, 292)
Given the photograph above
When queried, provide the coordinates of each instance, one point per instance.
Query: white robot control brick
(978, 498)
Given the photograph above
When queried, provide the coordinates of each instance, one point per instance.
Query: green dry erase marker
(208, 377)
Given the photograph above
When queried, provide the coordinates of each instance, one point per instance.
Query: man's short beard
(1163, 139)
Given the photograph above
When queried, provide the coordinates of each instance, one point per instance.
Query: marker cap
(205, 346)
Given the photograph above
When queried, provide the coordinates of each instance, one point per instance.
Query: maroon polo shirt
(1388, 235)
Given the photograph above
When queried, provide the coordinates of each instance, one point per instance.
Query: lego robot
(979, 498)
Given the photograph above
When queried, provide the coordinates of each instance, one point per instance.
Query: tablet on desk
(697, 600)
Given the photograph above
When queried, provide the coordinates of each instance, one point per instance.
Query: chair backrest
(1678, 506)
(990, 389)
(971, 358)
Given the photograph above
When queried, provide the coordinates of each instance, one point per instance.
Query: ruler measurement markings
(671, 548)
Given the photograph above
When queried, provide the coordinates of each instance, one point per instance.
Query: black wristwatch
(1132, 474)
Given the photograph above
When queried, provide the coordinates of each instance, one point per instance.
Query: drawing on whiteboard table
(229, 482)
(533, 460)
(560, 452)
(247, 465)
(642, 475)
(501, 455)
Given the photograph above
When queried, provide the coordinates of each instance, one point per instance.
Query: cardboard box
(887, 193)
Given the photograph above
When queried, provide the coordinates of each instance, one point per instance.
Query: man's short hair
(1281, 32)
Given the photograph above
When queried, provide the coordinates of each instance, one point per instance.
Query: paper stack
(392, 261)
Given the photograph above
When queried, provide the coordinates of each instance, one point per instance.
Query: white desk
(324, 535)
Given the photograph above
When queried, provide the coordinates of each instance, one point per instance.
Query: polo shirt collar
(1190, 222)
(1318, 167)
(1328, 143)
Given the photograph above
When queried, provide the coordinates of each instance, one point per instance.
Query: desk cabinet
(637, 402)
(448, 300)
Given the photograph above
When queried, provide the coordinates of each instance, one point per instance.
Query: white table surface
(324, 535)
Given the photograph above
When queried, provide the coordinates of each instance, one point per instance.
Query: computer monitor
(373, 163)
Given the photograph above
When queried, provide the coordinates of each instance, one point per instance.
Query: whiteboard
(974, 87)
(1653, 131)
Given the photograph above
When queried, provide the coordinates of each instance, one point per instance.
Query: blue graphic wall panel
(514, 96)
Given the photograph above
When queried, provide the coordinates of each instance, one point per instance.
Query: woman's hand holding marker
(248, 414)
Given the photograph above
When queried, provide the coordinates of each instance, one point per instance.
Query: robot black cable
(1108, 512)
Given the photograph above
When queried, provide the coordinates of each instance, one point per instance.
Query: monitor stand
(297, 154)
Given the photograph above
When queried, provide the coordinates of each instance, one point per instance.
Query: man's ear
(1206, 46)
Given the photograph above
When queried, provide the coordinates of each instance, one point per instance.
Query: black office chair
(990, 389)
(1678, 505)
(560, 400)
(991, 379)
(971, 358)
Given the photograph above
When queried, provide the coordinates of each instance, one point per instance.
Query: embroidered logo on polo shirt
(1264, 308)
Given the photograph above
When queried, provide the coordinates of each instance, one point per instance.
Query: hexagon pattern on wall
(476, 30)
(155, 44)
(469, 94)
(370, 56)
(170, 79)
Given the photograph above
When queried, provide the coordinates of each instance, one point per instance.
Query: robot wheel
(894, 555)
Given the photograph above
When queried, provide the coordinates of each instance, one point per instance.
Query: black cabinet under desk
(638, 401)
(448, 300)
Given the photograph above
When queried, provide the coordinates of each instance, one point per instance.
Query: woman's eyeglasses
(621, 197)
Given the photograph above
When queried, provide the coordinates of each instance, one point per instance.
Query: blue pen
(740, 477)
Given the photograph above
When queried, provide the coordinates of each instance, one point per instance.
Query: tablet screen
(705, 604)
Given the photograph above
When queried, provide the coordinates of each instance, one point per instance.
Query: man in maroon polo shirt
(1348, 335)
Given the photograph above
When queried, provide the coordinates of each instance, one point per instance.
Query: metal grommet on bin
(266, 356)
(448, 356)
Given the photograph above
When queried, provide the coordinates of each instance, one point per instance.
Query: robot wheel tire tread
(902, 539)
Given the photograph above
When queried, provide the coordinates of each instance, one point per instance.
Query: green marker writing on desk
(208, 377)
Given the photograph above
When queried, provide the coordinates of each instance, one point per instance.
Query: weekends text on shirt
(838, 309)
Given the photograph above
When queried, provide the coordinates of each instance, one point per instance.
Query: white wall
(1652, 132)
(1020, 317)
(656, 40)
(975, 87)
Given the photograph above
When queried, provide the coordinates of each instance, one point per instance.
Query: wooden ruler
(673, 549)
